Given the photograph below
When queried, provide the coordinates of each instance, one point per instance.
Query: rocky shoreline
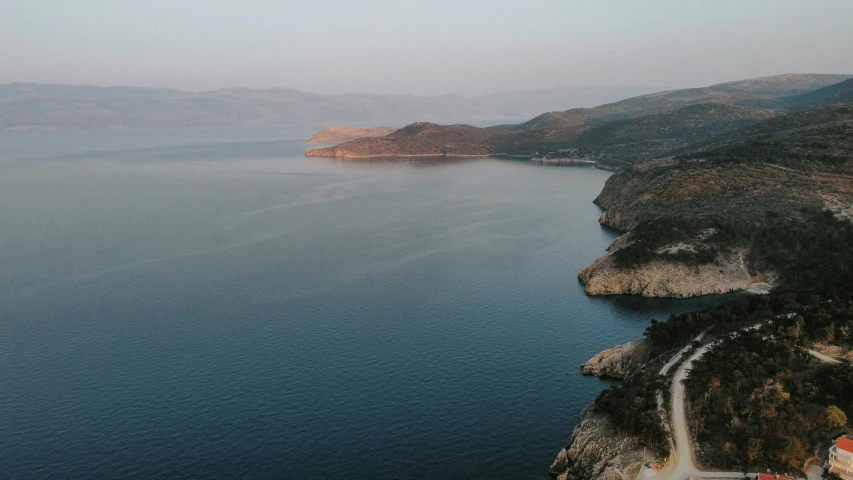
(659, 278)
(618, 362)
(598, 451)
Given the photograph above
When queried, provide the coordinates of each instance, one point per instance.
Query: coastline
(598, 450)
(314, 153)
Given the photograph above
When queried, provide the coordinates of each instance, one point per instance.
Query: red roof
(845, 444)
(767, 476)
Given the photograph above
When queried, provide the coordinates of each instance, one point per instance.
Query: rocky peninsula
(619, 361)
(661, 278)
(598, 451)
(338, 134)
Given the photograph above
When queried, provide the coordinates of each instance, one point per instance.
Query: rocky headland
(598, 451)
(618, 362)
(422, 139)
(661, 278)
(338, 134)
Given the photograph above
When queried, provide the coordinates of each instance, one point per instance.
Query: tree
(754, 450)
(835, 417)
(793, 452)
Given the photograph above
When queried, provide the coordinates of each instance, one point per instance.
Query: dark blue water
(209, 303)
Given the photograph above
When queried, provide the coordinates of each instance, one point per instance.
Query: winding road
(683, 466)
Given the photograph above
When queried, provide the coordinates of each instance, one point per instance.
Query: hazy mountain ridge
(749, 92)
(40, 106)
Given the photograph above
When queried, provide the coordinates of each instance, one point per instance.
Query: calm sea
(208, 303)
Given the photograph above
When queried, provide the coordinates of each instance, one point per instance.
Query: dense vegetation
(705, 241)
(816, 284)
(759, 403)
(819, 139)
(641, 418)
(774, 167)
(631, 140)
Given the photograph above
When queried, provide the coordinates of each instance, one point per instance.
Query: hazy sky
(424, 47)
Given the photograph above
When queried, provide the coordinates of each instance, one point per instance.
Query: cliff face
(659, 278)
(597, 451)
(618, 362)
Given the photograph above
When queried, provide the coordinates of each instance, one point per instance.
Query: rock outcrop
(659, 278)
(618, 362)
(597, 451)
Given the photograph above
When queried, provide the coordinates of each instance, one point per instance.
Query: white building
(841, 458)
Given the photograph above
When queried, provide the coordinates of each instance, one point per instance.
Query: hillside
(25, 106)
(613, 134)
(784, 84)
(704, 207)
(834, 94)
(749, 92)
(620, 142)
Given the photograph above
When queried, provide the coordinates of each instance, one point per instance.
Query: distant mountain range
(619, 133)
(26, 106)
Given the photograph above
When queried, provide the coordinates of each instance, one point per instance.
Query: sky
(432, 47)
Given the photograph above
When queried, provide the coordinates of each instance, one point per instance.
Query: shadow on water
(661, 308)
(614, 232)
